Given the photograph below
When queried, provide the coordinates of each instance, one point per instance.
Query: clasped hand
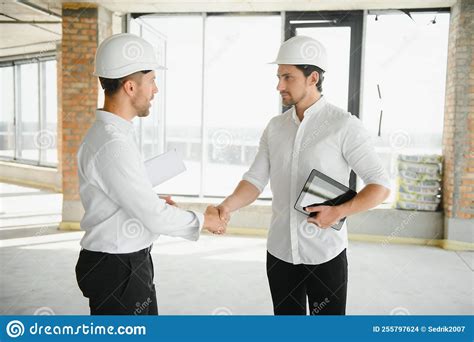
(213, 221)
(325, 216)
(215, 218)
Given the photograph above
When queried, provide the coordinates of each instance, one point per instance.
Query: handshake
(215, 218)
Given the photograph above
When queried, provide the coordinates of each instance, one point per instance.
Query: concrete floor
(217, 274)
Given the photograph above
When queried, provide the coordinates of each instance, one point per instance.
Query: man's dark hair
(308, 70)
(112, 85)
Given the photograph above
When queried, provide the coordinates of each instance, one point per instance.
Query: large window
(175, 121)
(240, 95)
(404, 78)
(28, 112)
(218, 95)
(219, 92)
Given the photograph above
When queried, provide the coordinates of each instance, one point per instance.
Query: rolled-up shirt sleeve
(359, 152)
(122, 176)
(259, 172)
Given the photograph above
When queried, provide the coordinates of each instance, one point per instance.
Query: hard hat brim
(295, 62)
(128, 70)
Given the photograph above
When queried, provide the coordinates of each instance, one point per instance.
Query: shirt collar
(313, 109)
(115, 120)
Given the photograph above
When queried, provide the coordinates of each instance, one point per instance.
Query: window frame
(204, 138)
(355, 19)
(15, 63)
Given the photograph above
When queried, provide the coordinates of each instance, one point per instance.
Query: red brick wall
(78, 88)
(458, 137)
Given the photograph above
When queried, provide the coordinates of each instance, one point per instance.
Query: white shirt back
(122, 212)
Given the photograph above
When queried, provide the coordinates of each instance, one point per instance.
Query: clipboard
(163, 167)
(321, 189)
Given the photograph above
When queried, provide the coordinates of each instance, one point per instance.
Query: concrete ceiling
(23, 29)
(18, 37)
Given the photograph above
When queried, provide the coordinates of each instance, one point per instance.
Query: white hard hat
(302, 50)
(124, 54)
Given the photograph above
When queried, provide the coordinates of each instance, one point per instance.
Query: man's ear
(314, 77)
(129, 86)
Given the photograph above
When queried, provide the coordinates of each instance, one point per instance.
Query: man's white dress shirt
(122, 212)
(329, 140)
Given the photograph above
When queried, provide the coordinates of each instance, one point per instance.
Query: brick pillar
(81, 29)
(458, 135)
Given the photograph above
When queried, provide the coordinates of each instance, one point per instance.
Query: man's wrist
(225, 205)
(344, 209)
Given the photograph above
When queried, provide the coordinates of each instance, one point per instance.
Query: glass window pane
(152, 126)
(7, 130)
(407, 60)
(51, 115)
(180, 97)
(29, 112)
(240, 95)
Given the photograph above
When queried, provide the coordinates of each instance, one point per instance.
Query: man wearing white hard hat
(123, 215)
(306, 259)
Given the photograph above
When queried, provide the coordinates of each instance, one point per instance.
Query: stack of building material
(419, 182)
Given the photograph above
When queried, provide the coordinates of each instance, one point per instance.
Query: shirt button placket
(294, 174)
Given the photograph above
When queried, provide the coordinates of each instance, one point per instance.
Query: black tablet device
(320, 189)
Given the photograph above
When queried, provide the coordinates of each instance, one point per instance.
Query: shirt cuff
(200, 218)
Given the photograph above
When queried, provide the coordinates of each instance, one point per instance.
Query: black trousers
(117, 284)
(324, 286)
